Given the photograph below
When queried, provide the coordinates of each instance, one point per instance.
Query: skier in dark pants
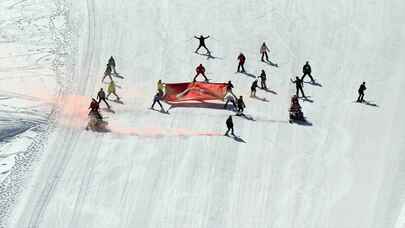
(263, 51)
(229, 87)
(241, 105)
(263, 79)
(102, 97)
(156, 99)
(361, 92)
(230, 98)
(111, 63)
(229, 125)
(241, 64)
(253, 89)
(306, 69)
(107, 72)
(200, 70)
(298, 85)
(202, 43)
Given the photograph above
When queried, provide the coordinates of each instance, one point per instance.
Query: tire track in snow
(71, 136)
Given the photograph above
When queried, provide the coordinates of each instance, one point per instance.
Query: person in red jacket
(200, 70)
(242, 60)
(94, 106)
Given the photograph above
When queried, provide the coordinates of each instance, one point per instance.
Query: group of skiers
(101, 94)
(230, 98)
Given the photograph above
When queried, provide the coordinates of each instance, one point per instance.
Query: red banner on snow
(197, 91)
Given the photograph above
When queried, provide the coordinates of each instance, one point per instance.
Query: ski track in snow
(176, 170)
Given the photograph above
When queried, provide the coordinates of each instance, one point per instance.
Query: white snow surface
(177, 170)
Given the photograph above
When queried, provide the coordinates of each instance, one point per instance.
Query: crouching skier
(229, 97)
(94, 115)
(229, 125)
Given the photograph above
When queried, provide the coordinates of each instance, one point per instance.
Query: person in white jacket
(229, 97)
(263, 50)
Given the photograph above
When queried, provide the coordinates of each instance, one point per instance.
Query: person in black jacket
(111, 63)
(241, 105)
(201, 40)
(229, 125)
(107, 72)
(253, 89)
(298, 85)
(263, 79)
(361, 92)
(102, 97)
(306, 69)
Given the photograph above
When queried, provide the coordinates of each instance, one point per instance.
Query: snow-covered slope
(176, 170)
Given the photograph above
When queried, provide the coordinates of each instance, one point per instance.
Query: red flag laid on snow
(197, 91)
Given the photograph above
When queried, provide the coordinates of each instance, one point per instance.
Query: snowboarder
(241, 64)
(112, 90)
(94, 109)
(230, 97)
(263, 79)
(298, 85)
(111, 63)
(156, 99)
(241, 105)
(263, 50)
(202, 39)
(107, 72)
(253, 89)
(101, 97)
(361, 90)
(160, 87)
(200, 70)
(306, 69)
(229, 125)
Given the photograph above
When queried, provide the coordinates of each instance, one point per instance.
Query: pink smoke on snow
(73, 113)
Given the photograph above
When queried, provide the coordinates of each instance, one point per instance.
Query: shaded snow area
(32, 54)
(343, 169)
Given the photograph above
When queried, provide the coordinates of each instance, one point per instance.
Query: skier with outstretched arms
(201, 40)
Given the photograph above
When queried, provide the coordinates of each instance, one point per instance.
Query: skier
(230, 97)
(295, 110)
(202, 39)
(156, 99)
(263, 79)
(229, 125)
(107, 72)
(298, 85)
(241, 105)
(101, 97)
(112, 90)
(160, 87)
(361, 92)
(111, 63)
(263, 50)
(94, 106)
(306, 69)
(200, 70)
(241, 64)
(253, 89)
